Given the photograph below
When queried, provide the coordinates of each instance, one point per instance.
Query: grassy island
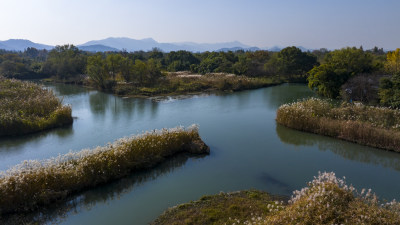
(326, 200)
(33, 184)
(175, 83)
(367, 125)
(26, 107)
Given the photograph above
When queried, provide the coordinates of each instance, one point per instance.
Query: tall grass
(26, 107)
(184, 83)
(326, 200)
(373, 126)
(33, 183)
(329, 200)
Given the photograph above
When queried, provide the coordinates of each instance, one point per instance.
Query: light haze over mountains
(130, 45)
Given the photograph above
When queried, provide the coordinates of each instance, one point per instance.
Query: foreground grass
(372, 126)
(32, 184)
(326, 200)
(26, 107)
(184, 83)
(222, 208)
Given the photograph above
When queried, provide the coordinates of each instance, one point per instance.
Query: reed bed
(26, 107)
(372, 126)
(33, 184)
(329, 200)
(184, 83)
(326, 200)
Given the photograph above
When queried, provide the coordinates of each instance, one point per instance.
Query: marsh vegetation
(326, 200)
(27, 107)
(373, 126)
(33, 183)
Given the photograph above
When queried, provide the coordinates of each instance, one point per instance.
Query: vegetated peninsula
(26, 107)
(34, 184)
(367, 125)
(326, 200)
(369, 113)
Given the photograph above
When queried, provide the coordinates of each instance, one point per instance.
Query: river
(248, 150)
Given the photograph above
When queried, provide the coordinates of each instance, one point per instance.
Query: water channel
(248, 151)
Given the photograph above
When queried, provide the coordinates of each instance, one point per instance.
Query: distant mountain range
(128, 44)
(21, 45)
(149, 43)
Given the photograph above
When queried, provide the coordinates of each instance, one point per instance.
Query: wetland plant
(368, 125)
(33, 183)
(26, 107)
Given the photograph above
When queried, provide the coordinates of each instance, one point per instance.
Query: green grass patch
(26, 107)
(33, 184)
(222, 208)
(372, 126)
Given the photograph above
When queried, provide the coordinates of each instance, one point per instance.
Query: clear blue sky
(308, 23)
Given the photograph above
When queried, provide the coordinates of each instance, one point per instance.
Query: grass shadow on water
(342, 148)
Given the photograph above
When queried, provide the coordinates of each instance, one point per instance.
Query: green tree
(126, 69)
(65, 61)
(180, 60)
(114, 64)
(290, 62)
(337, 68)
(241, 66)
(96, 70)
(389, 91)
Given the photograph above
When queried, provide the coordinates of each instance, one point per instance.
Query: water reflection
(99, 102)
(345, 149)
(285, 93)
(67, 90)
(16, 143)
(57, 212)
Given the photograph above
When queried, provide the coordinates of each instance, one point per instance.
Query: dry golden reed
(367, 125)
(26, 107)
(34, 183)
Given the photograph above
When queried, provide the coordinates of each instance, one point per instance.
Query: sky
(263, 23)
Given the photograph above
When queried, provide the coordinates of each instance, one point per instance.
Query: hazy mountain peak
(129, 44)
(147, 44)
(21, 45)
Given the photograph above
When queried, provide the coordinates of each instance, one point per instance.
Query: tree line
(354, 74)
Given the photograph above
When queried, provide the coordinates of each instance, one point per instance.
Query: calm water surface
(248, 150)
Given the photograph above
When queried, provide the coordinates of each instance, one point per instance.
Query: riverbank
(179, 83)
(26, 107)
(33, 184)
(326, 200)
(371, 126)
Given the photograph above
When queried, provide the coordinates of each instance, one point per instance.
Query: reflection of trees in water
(99, 102)
(154, 109)
(286, 93)
(102, 194)
(66, 89)
(345, 149)
(121, 108)
(16, 143)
